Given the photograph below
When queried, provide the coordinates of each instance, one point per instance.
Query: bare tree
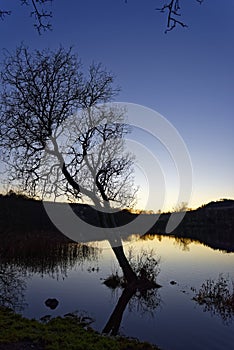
(180, 207)
(58, 140)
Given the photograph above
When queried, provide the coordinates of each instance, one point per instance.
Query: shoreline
(69, 332)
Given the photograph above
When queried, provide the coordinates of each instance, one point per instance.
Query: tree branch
(41, 16)
(3, 14)
(173, 10)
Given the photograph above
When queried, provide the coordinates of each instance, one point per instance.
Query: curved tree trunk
(107, 221)
(128, 272)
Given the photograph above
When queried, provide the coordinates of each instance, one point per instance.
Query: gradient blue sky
(186, 75)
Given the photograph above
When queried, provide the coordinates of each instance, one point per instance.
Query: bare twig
(173, 10)
(38, 12)
(3, 14)
(41, 16)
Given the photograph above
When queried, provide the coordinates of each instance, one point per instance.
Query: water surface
(170, 318)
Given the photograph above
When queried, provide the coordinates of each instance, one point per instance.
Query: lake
(168, 317)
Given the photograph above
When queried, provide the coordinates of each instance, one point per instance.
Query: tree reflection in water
(35, 253)
(145, 302)
(24, 254)
(217, 297)
(12, 287)
(144, 299)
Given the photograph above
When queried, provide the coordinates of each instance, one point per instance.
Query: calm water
(170, 318)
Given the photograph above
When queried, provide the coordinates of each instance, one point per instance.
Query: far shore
(211, 224)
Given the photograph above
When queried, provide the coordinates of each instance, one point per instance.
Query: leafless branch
(42, 17)
(3, 14)
(173, 9)
(46, 98)
(38, 12)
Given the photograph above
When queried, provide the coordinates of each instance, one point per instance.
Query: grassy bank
(65, 333)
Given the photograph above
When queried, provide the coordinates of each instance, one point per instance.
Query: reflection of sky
(177, 315)
(186, 75)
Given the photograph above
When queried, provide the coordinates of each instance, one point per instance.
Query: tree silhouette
(56, 138)
(37, 11)
(42, 17)
(146, 266)
(173, 10)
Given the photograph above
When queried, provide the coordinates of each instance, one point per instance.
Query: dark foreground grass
(65, 333)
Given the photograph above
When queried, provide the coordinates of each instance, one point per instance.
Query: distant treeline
(211, 224)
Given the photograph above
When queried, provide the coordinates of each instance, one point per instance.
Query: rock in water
(51, 303)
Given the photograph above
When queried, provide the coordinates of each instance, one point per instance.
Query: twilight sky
(186, 75)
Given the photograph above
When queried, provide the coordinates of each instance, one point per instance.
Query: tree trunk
(113, 324)
(108, 221)
(128, 272)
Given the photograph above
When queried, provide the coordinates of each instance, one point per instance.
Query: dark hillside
(212, 224)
